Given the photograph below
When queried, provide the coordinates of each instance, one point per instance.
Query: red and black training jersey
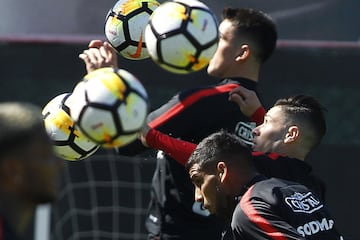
(292, 169)
(193, 114)
(278, 209)
(190, 115)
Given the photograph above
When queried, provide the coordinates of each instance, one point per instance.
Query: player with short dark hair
(291, 129)
(29, 170)
(247, 39)
(228, 185)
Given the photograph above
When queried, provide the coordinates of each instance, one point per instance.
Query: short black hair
(256, 27)
(308, 111)
(220, 146)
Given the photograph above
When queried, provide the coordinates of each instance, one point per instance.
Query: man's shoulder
(278, 183)
(272, 190)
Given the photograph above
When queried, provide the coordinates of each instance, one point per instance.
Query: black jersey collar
(254, 180)
(245, 82)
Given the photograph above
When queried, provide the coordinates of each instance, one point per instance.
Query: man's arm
(178, 149)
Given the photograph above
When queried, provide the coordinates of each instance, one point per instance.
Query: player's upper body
(279, 209)
(228, 185)
(29, 171)
(292, 128)
(247, 39)
(189, 117)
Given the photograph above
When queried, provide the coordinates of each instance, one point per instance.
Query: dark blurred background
(318, 54)
(297, 19)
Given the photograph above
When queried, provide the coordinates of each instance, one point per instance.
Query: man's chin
(210, 72)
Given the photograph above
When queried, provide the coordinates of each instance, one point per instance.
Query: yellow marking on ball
(129, 107)
(107, 138)
(200, 64)
(179, 12)
(153, 3)
(115, 21)
(191, 58)
(114, 84)
(62, 121)
(109, 79)
(129, 6)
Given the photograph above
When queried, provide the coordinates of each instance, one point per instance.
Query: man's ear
(292, 134)
(243, 53)
(222, 171)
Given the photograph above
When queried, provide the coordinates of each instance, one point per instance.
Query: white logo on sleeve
(303, 202)
(244, 131)
(316, 226)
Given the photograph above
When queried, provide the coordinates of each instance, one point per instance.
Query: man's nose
(198, 195)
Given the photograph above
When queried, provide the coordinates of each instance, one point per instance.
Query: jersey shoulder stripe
(273, 156)
(189, 100)
(254, 216)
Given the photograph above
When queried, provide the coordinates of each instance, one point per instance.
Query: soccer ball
(69, 142)
(182, 35)
(109, 106)
(125, 24)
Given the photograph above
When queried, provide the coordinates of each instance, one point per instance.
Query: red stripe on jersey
(257, 219)
(273, 156)
(174, 110)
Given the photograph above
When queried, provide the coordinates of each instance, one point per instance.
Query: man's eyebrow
(195, 176)
(267, 116)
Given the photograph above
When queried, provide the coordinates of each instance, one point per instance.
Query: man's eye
(197, 182)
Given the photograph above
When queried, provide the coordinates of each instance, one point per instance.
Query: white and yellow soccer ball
(109, 106)
(69, 142)
(182, 35)
(125, 24)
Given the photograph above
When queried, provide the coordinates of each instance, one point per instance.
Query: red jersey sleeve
(178, 149)
(258, 116)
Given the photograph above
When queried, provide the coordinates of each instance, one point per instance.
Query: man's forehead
(274, 112)
(226, 27)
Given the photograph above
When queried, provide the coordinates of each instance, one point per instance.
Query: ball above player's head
(125, 24)
(182, 36)
(69, 142)
(109, 106)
